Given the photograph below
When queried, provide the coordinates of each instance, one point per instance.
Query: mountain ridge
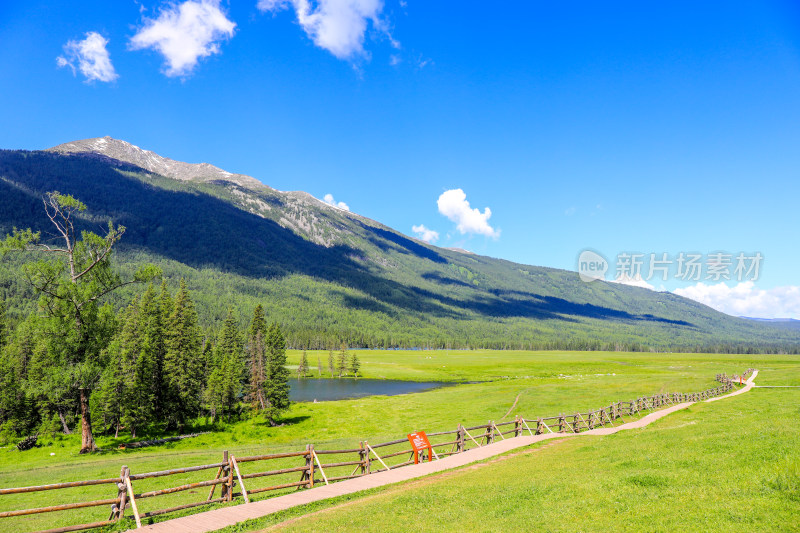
(329, 274)
(120, 150)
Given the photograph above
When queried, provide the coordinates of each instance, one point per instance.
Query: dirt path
(415, 484)
(227, 516)
(513, 405)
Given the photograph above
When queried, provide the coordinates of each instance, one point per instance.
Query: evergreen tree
(165, 301)
(341, 362)
(109, 401)
(302, 368)
(319, 366)
(19, 414)
(52, 372)
(225, 380)
(257, 356)
(140, 350)
(277, 384)
(331, 363)
(183, 362)
(355, 364)
(154, 346)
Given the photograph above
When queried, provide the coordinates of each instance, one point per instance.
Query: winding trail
(228, 516)
(514, 404)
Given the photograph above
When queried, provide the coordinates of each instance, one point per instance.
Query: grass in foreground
(546, 382)
(732, 465)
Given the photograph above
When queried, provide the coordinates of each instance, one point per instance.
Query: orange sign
(419, 442)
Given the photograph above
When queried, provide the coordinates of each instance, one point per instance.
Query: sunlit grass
(546, 383)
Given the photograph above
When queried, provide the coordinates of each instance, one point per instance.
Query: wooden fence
(247, 476)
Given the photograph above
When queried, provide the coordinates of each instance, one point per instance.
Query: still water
(308, 390)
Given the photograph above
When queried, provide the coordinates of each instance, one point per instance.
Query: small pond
(310, 389)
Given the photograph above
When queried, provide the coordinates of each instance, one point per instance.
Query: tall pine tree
(257, 358)
(183, 363)
(224, 386)
(110, 400)
(142, 346)
(18, 410)
(277, 385)
(341, 361)
(302, 368)
(355, 364)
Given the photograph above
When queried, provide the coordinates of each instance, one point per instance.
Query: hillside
(331, 275)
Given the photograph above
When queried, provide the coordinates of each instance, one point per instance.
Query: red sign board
(419, 442)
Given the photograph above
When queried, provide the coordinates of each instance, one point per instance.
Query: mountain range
(329, 275)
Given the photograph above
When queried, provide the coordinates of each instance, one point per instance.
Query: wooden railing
(328, 466)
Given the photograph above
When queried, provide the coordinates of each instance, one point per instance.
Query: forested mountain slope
(330, 275)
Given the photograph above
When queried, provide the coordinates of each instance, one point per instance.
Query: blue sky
(624, 127)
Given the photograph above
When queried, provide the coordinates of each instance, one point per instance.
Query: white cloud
(338, 26)
(425, 234)
(744, 299)
(328, 199)
(90, 56)
(183, 33)
(570, 211)
(633, 281)
(454, 205)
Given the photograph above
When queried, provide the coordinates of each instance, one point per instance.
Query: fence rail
(360, 461)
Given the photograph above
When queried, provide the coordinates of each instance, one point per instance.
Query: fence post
(224, 488)
(460, 439)
(517, 426)
(362, 456)
(230, 479)
(128, 485)
(122, 496)
(490, 432)
(562, 424)
(310, 465)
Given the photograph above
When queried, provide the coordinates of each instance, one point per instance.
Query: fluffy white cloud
(183, 33)
(90, 56)
(634, 281)
(425, 234)
(744, 299)
(328, 199)
(338, 26)
(454, 205)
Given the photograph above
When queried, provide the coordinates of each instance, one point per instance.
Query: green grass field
(732, 465)
(546, 382)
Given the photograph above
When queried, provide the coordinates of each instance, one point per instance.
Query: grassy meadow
(732, 465)
(542, 383)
